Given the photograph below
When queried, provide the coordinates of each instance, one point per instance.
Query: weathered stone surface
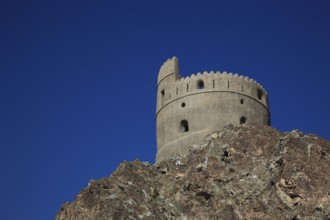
(245, 172)
(189, 108)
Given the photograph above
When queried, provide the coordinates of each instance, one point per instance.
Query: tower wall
(190, 108)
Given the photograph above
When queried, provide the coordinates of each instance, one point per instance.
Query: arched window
(200, 84)
(242, 120)
(184, 127)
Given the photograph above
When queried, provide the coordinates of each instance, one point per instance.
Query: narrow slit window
(200, 84)
(242, 90)
(213, 84)
(228, 84)
(260, 94)
(163, 92)
(184, 127)
(177, 89)
(187, 87)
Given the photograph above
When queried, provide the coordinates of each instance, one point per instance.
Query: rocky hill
(245, 172)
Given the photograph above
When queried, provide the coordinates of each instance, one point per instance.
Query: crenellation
(214, 80)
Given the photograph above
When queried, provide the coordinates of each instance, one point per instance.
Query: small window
(183, 104)
(187, 87)
(184, 126)
(242, 120)
(259, 93)
(177, 89)
(213, 84)
(162, 92)
(200, 84)
(242, 101)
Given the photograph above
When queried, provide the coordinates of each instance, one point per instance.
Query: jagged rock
(245, 172)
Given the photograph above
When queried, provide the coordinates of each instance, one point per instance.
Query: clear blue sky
(78, 81)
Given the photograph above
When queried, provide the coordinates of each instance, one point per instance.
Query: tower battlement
(189, 108)
(169, 67)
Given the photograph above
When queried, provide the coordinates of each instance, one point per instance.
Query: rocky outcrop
(245, 172)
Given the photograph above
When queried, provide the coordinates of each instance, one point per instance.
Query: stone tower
(190, 108)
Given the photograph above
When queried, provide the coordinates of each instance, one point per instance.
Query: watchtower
(190, 108)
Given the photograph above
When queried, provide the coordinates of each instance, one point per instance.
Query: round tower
(190, 108)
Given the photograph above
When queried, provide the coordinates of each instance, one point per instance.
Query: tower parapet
(169, 68)
(189, 108)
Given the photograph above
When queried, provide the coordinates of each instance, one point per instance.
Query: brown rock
(245, 172)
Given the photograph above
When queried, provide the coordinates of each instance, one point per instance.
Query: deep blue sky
(78, 81)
